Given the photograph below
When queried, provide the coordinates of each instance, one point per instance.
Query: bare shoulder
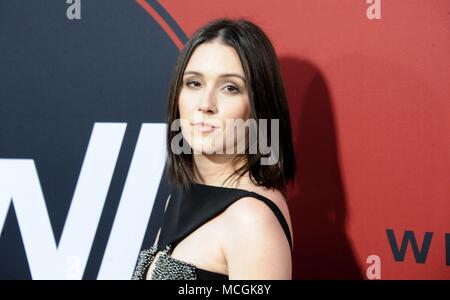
(250, 209)
(254, 237)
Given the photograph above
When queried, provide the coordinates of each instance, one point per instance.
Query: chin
(204, 150)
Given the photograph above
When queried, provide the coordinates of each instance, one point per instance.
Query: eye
(232, 89)
(193, 84)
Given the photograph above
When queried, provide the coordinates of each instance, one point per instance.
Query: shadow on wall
(317, 199)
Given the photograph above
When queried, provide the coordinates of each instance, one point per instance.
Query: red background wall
(369, 102)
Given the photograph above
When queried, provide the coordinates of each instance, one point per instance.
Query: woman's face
(213, 90)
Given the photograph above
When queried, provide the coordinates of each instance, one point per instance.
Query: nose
(207, 103)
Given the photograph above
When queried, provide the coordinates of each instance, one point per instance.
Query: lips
(204, 126)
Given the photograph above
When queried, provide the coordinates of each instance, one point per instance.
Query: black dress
(187, 210)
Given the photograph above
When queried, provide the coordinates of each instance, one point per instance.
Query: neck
(214, 169)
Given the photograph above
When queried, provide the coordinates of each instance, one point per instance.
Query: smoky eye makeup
(232, 88)
(227, 85)
(191, 82)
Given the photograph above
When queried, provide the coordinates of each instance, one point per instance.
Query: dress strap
(277, 213)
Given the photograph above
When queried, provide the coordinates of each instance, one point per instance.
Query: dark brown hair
(266, 95)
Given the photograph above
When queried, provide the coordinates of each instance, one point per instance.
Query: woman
(226, 216)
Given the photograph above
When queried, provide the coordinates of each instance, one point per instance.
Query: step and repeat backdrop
(83, 93)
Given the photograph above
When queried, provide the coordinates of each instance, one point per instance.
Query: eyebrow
(221, 75)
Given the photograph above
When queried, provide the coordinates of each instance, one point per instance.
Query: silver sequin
(166, 267)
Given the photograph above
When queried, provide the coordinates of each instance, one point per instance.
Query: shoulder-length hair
(266, 96)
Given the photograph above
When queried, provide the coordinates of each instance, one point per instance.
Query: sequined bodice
(168, 268)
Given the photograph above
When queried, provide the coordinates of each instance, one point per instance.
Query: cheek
(238, 110)
(186, 103)
(235, 111)
(182, 106)
(185, 111)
